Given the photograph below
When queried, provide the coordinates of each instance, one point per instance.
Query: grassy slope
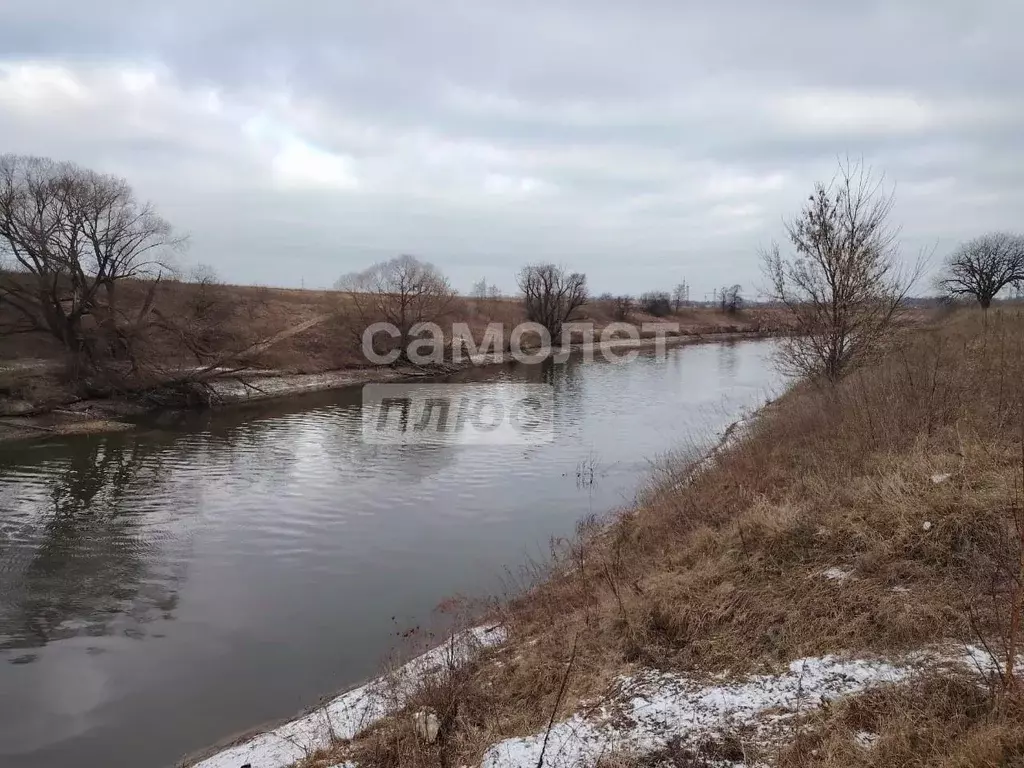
(721, 570)
(233, 318)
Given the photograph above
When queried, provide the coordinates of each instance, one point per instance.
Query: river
(163, 589)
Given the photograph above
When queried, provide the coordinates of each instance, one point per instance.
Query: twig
(979, 635)
(26, 425)
(248, 385)
(558, 701)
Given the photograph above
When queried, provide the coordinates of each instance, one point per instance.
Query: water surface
(163, 589)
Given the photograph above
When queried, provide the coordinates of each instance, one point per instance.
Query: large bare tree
(843, 280)
(982, 267)
(68, 236)
(551, 295)
(403, 291)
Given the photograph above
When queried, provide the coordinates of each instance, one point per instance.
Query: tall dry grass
(946, 721)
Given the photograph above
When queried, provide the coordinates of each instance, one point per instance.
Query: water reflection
(728, 358)
(73, 560)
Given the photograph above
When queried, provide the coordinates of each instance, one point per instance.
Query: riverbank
(96, 416)
(859, 546)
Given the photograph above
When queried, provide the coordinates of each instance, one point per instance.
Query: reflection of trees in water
(87, 561)
(276, 443)
(728, 359)
(566, 378)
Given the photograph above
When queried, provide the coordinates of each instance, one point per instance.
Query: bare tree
(205, 295)
(680, 295)
(551, 295)
(730, 299)
(403, 291)
(203, 274)
(622, 308)
(68, 236)
(493, 292)
(984, 266)
(479, 289)
(843, 283)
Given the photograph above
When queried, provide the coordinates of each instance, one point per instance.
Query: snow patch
(350, 713)
(980, 660)
(941, 477)
(836, 574)
(650, 707)
(865, 739)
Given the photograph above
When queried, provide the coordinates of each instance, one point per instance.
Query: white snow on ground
(732, 435)
(349, 713)
(865, 739)
(654, 707)
(836, 574)
(640, 714)
(647, 709)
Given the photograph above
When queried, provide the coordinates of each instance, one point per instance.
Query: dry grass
(933, 722)
(722, 570)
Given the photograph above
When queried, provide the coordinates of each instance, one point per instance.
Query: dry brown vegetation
(198, 323)
(908, 476)
(944, 721)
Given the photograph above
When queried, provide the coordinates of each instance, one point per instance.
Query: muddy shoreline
(106, 415)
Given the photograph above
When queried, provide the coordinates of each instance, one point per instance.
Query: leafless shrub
(984, 266)
(551, 295)
(206, 297)
(843, 283)
(1004, 591)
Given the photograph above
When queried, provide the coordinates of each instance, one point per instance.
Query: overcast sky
(642, 142)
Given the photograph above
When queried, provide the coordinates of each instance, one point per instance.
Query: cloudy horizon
(643, 144)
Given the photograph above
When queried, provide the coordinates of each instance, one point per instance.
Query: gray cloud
(642, 142)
